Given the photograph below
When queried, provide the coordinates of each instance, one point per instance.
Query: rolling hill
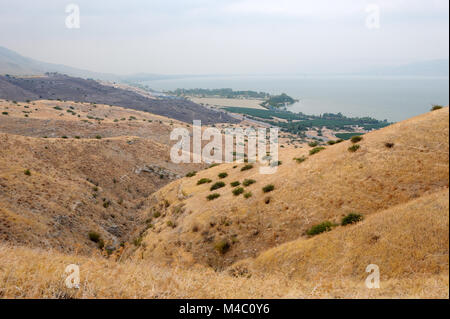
(67, 169)
(65, 88)
(177, 244)
(13, 63)
(393, 166)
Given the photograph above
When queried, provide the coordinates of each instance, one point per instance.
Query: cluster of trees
(333, 124)
(299, 122)
(279, 101)
(224, 93)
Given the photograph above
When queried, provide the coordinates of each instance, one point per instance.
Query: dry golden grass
(85, 120)
(45, 109)
(71, 180)
(34, 273)
(402, 192)
(327, 186)
(407, 240)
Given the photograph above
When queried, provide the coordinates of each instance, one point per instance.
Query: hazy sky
(227, 36)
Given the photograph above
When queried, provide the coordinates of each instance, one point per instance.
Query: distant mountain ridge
(56, 86)
(13, 63)
(438, 67)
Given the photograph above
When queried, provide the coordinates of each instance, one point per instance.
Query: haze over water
(394, 98)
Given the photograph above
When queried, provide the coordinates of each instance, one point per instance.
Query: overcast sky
(227, 36)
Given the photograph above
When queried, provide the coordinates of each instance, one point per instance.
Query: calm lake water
(391, 98)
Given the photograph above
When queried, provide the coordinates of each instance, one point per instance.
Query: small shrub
(191, 174)
(77, 137)
(213, 165)
(276, 163)
(106, 204)
(300, 159)
(316, 150)
(156, 214)
(222, 246)
(101, 244)
(267, 200)
(203, 181)
(238, 191)
(27, 172)
(313, 144)
(212, 196)
(98, 137)
(248, 182)
(351, 219)
(356, 139)
(234, 184)
(248, 195)
(5, 113)
(389, 145)
(339, 141)
(93, 236)
(137, 241)
(268, 188)
(64, 137)
(246, 167)
(320, 228)
(171, 224)
(217, 185)
(223, 175)
(109, 250)
(331, 142)
(354, 148)
(57, 108)
(436, 107)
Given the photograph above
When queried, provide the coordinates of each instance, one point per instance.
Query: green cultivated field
(299, 122)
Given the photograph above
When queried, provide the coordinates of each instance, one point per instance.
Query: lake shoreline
(393, 98)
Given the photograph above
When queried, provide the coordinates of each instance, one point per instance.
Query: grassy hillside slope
(178, 244)
(92, 174)
(393, 166)
(63, 87)
(408, 242)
